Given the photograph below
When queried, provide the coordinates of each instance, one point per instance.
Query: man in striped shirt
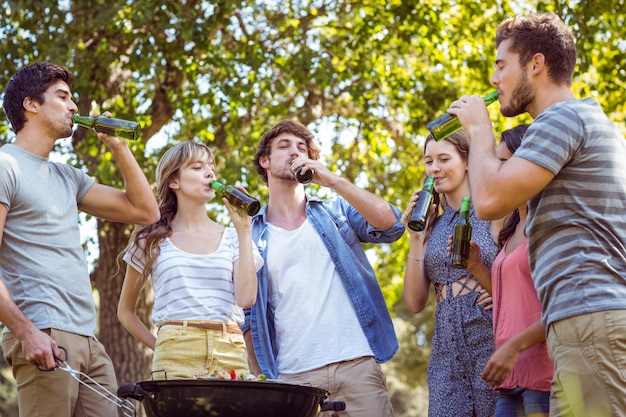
(571, 168)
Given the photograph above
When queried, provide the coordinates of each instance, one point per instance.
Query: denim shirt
(342, 229)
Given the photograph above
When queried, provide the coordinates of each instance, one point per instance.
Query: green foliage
(366, 76)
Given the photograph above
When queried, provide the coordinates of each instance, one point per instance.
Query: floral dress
(463, 338)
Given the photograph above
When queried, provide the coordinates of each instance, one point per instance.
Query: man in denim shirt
(320, 317)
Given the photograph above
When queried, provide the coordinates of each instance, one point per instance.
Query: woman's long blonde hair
(168, 169)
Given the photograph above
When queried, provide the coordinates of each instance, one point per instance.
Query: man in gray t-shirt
(45, 291)
(571, 169)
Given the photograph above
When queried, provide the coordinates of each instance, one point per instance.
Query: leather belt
(229, 327)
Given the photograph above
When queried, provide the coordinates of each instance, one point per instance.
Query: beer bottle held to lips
(119, 128)
(303, 177)
(462, 236)
(446, 124)
(417, 221)
(237, 198)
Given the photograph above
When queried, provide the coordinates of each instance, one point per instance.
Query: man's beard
(523, 94)
(59, 132)
(282, 174)
(66, 133)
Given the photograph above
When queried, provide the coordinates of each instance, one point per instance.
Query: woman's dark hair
(513, 139)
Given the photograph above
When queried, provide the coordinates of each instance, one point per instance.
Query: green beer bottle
(446, 124)
(417, 221)
(119, 128)
(237, 198)
(462, 236)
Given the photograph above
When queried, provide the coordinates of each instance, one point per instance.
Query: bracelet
(415, 258)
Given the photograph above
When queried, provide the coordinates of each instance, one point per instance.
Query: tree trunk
(132, 360)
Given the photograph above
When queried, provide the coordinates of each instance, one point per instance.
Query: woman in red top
(520, 369)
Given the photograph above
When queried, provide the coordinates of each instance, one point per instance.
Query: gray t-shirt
(577, 223)
(42, 261)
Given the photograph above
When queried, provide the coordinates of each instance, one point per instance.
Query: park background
(365, 76)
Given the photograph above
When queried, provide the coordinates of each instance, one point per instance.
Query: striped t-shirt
(577, 223)
(190, 286)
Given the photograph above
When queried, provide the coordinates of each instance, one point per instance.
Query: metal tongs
(126, 405)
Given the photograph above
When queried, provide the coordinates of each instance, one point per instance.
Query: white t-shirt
(190, 286)
(313, 317)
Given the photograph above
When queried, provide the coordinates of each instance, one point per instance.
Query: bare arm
(244, 273)
(38, 347)
(497, 187)
(127, 305)
(503, 360)
(416, 282)
(136, 205)
(376, 211)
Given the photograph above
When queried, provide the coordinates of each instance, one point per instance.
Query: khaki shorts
(186, 352)
(589, 354)
(57, 393)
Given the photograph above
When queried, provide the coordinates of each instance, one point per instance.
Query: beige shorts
(589, 355)
(188, 352)
(360, 383)
(57, 393)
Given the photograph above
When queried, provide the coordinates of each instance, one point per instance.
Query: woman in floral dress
(463, 337)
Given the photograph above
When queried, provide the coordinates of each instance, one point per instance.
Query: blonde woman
(202, 273)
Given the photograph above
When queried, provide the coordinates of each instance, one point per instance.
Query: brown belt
(231, 328)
